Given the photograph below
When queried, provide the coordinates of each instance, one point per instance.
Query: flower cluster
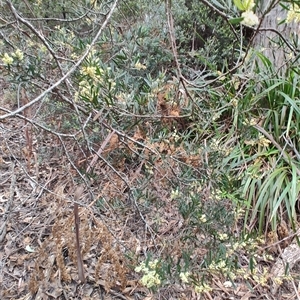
(202, 288)
(203, 218)
(18, 54)
(150, 278)
(261, 141)
(198, 288)
(8, 60)
(90, 71)
(184, 276)
(216, 145)
(94, 78)
(139, 66)
(249, 17)
(223, 236)
(175, 194)
(293, 14)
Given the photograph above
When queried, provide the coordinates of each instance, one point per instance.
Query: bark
(269, 42)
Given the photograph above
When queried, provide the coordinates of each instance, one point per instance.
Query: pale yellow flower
(76, 97)
(223, 236)
(262, 278)
(140, 268)
(234, 102)
(31, 44)
(250, 18)
(140, 66)
(202, 288)
(18, 54)
(221, 76)
(184, 276)
(84, 89)
(113, 84)
(277, 280)
(263, 141)
(153, 264)
(89, 71)
(236, 82)
(150, 279)
(7, 60)
(293, 14)
(203, 218)
(221, 265)
(291, 55)
(253, 121)
(174, 194)
(74, 56)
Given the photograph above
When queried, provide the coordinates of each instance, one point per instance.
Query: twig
(295, 289)
(102, 147)
(58, 19)
(40, 36)
(77, 195)
(293, 49)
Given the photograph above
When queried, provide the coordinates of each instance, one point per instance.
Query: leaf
(235, 21)
(244, 5)
(239, 4)
(292, 102)
(218, 4)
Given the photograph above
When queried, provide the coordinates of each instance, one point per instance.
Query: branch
(38, 34)
(294, 50)
(71, 71)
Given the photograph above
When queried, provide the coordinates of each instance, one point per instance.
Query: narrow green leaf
(218, 4)
(239, 4)
(235, 21)
(292, 102)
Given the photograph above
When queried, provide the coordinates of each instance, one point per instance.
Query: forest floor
(38, 251)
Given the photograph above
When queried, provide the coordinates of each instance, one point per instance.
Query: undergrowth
(187, 147)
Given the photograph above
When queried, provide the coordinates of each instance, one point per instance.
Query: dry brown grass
(56, 260)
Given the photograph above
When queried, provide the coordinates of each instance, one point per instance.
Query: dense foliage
(180, 108)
